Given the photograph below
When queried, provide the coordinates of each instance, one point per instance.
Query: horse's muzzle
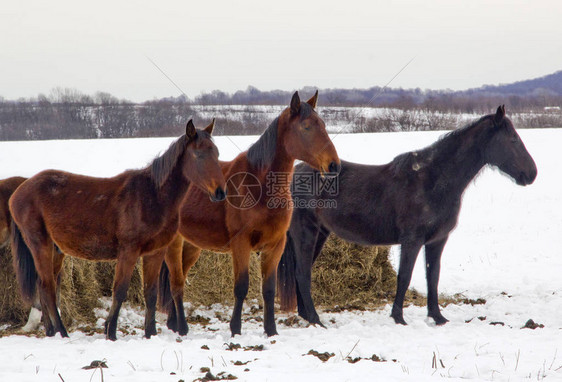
(219, 195)
(333, 169)
(525, 179)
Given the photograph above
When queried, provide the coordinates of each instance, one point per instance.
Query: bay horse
(251, 220)
(121, 218)
(413, 201)
(7, 188)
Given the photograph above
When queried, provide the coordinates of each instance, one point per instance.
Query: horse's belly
(207, 240)
(88, 249)
(205, 233)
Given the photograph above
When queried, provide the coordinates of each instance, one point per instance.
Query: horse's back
(80, 213)
(355, 208)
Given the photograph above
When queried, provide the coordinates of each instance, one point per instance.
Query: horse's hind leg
(48, 269)
(123, 272)
(320, 241)
(408, 253)
(433, 253)
(34, 318)
(58, 262)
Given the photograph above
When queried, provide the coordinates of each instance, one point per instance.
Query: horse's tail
(165, 301)
(24, 265)
(286, 280)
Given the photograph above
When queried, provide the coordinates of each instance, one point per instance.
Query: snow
(506, 250)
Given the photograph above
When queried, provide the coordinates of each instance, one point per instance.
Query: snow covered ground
(507, 249)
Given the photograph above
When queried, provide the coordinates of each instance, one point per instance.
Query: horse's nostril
(220, 194)
(334, 167)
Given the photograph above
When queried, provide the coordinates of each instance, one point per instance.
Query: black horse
(412, 201)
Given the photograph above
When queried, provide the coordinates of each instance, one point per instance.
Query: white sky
(228, 45)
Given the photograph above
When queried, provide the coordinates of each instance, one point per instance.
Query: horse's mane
(162, 166)
(444, 147)
(261, 153)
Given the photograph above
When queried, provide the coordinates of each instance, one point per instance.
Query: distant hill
(547, 85)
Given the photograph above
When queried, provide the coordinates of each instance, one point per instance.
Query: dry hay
(347, 274)
(12, 309)
(82, 284)
(211, 280)
(344, 274)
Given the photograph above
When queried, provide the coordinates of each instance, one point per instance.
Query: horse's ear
(500, 113)
(313, 100)
(295, 104)
(190, 131)
(209, 129)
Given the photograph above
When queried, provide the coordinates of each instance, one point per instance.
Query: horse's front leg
(150, 270)
(308, 242)
(180, 258)
(240, 261)
(123, 271)
(433, 253)
(408, 254)
(269, 261)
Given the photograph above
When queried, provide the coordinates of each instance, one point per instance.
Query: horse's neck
(277, 177)
(171, 193)
(458, 170)
(282, 163)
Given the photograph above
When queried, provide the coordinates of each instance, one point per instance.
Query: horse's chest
(438, 219)
(271, 229)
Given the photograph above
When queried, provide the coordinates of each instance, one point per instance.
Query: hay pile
(345, 274)
(83, 283)
(211, 280)
(12, 310)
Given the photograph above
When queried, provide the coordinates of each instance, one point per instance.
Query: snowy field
(507, 250)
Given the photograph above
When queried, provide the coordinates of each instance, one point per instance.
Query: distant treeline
(68, 113)
(473, 101)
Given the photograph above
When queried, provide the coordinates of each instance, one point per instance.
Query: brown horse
(256, 216)
(124, 217)
(7, 188)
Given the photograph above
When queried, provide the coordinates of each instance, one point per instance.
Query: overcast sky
(228, 45)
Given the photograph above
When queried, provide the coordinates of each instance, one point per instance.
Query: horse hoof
(274, 333)
(173, 327)
(399, 321)
(235, 333)
(440, 321)
(111, 337)
(149, 333)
